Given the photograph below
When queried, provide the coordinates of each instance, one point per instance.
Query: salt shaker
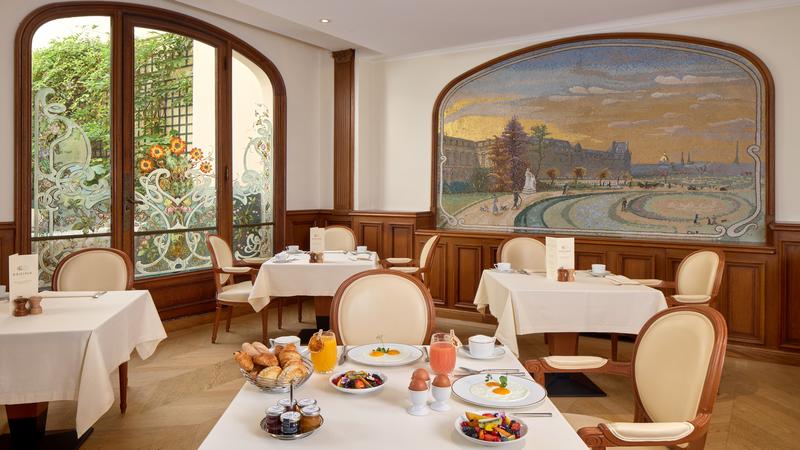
(36, 304)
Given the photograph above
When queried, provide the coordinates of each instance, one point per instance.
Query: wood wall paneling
(789, 281)
(742, 300)
(402, 241)
(468, 265)
(343, 129)
(7, 246)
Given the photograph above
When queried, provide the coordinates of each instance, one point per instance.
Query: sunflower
(177, 145)
(205, 167)
(196, 154)
(146, 165)
(157, 152)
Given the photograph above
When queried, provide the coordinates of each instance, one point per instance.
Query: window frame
(124, 17)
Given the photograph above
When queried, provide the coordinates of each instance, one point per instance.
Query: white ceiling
(402, 27)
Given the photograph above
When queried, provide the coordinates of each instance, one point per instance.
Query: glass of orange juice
(443, 353)
(323, 352)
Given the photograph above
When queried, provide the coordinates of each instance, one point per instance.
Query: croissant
(266, 359)
(260, 347)
(287, 357)
(289, 348)
(244, 360)
(249, 349)
(270, 373)
(278, 349)
(293, 372)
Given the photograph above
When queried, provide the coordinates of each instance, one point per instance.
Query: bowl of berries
(358, 381)
(492, 429)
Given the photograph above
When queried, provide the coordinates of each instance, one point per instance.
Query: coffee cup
(361, 249)
(598, 268)
(284, 340)
(481, 346)
(293, 248)
(503, 266)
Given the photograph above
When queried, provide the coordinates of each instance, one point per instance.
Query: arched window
(145, 130)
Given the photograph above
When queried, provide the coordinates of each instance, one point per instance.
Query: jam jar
(310, 418)
(303, 402)
(274, 419)
(287, 404)
(290, 422)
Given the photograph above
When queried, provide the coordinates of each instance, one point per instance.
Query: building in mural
(646, 138)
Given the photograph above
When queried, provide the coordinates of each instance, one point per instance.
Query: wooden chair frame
(228, 306)
(600, 437)
(423, 273)
(123, 368)
(337, 298)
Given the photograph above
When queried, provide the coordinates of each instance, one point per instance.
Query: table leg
(322, 309)
(568, 384)
(27, 423)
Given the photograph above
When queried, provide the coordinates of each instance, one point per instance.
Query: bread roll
(287, 357)
(293, 372)
(249, 349)
(266, 359)
(270, 373)
(244, 360)
(289, 348)
(260, 347)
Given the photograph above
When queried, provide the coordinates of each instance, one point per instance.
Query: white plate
(358, 391)
(523, 432)
(498, 353)
(535, 394)
(408, 354)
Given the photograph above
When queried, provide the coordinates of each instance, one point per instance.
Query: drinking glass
(442, 353)
(325, 360)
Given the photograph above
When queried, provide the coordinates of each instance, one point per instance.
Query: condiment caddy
(292, 419)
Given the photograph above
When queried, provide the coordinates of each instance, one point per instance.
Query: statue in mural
(530, 183)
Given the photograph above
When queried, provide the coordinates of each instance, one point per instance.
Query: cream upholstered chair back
(338, 237)
(221, 256)
(677, 362)
(426, 254)
(94, 269)
(523, 253)
(700, 273)
(382, 302)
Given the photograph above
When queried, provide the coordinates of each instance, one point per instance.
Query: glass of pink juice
(442, 354)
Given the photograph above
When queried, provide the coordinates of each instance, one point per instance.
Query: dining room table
(528, 302)
(296, 276)
(68, 352)
(378, 420)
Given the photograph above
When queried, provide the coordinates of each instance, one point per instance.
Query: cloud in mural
(592, 90)
(671, 115)
(709, 96)
(563, 98)
(691, 79)
(663, 94)
(626, 123)
(611, 101)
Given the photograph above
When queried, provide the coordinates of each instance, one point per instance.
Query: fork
(342, 356)
(425, 350)
(494, 371)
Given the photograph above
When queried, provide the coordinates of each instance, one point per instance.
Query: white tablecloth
(525, 304)
(69, 351)
(300, 277)
(378, 420)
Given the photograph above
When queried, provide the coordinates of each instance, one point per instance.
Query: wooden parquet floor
(176, 396)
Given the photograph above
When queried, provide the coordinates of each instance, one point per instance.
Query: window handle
(133, 201)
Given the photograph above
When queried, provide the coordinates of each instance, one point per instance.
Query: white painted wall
(397, 96)
(307, 72)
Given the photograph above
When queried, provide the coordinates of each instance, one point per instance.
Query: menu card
(560, 254)
(23, 277)
(317, 240)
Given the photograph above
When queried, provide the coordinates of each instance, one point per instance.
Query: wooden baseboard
(763, 354)
(469, 316)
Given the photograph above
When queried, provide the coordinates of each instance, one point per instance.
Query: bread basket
(278, 386)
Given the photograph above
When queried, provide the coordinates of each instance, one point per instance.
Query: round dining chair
(420, 268)
(385, 303)
(97, 269)
(676, 370)
(523, 253)
(339, 238)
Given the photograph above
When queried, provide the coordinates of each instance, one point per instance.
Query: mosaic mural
(644, 138)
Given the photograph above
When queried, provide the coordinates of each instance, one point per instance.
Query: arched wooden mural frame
(744, 185)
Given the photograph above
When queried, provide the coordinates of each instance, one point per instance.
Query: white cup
(598, 268)
(293, 248)
(361, 249)
(284, 340)
(503, 266)
(282, 256)
(481, 346)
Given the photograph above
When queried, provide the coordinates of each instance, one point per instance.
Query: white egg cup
(440, 397)
(419, 403)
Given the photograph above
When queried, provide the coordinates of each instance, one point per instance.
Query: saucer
(599, 275)
(498, 352)
(495, 269)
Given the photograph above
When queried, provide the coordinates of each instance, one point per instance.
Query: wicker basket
(278, 386)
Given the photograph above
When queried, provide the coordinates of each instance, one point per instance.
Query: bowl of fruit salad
(492, 429)
(358, 381)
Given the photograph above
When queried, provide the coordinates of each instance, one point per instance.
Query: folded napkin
(621, 280)
(67, 294)
(364, 256)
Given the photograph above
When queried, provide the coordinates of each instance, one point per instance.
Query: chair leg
(228, 321)
(264, 322)
(300, 310)
(216, 324)
(280, 314)
(614, 346)
(123, 387)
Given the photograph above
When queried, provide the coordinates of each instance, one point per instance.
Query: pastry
(260, 347)
(249, 349)
(244, 360)
(270, 373)
(289, 348)
(266, 359)
(277, 350)
(293, 372)
(287, 357)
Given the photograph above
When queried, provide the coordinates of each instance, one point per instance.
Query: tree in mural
(552, 173)
(500, 176)
(514, 140)
(603, 175)
(539, 134)
(578, 173)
